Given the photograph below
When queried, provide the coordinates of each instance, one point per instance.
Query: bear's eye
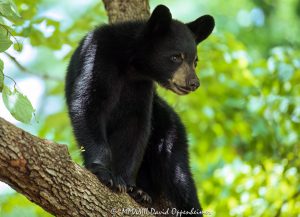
(176, 58)
(195, 62)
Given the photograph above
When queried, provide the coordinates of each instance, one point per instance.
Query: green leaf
(5, 42)
(18, 47)
(1, 76)
(18, 105)
(9, 10)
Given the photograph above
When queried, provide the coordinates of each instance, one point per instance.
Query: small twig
(25, 70)
(295, 195)
(10, 78)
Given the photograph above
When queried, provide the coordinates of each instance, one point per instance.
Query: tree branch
(25, 70)
(44, 172)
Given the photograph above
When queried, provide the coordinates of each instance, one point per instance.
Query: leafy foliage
(9, 10)
(17, 104)
(243, 122)
(5, 42)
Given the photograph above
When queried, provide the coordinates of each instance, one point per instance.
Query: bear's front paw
(114, 182)
(102, 173)
(139, 195)
(119, 184)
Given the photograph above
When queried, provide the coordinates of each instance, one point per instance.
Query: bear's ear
(202, 27)
(159, 21)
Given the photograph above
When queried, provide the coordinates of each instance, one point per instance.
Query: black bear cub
(133, 140)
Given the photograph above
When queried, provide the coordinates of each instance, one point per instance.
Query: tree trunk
(124, 10)
(43, 170)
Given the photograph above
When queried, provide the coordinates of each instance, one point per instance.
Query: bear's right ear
(159, 21)
(202, 27)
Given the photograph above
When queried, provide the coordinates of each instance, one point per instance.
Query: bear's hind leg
(167, 159)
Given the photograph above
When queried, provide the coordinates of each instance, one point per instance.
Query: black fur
(133, 141)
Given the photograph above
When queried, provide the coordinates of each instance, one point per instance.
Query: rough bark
(44, 172)
(124, 10)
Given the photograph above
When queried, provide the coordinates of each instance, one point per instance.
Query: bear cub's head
(167, 52)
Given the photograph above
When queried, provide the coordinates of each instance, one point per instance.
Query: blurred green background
(243, 122)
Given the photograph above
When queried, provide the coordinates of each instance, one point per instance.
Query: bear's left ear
(202, 27)
(159, 21)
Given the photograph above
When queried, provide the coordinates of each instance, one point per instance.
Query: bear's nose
(194, 84)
